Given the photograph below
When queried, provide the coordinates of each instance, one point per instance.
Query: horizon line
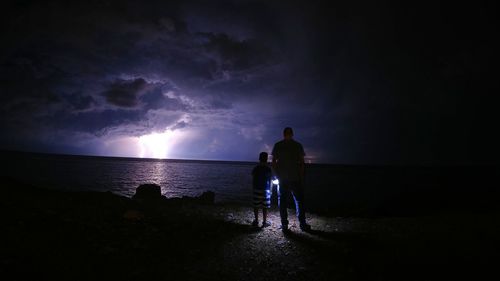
(235, 161)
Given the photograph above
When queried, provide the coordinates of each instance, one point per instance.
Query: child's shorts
(262, 198)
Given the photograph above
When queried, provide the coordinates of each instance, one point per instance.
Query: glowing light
(157, 145)
(276, 182)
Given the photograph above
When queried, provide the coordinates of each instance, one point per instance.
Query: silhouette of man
(288, 163)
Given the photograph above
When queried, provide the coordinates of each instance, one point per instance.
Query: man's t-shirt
(289, 155)
(262, 177)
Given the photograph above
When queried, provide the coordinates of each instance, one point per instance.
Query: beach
(58, 235)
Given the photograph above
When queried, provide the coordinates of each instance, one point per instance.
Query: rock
(207, 197)
(149, 192)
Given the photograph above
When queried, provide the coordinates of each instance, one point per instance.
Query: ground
(53, 235)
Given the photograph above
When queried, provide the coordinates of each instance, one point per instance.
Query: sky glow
(158, 145)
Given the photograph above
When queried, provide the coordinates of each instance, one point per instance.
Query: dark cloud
(179, 125)
(124, 93)
(29, 77)
(81, 102)
(98, 122)
(158, 98)
(234, 54)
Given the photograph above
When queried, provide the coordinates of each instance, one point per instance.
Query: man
(288, 163)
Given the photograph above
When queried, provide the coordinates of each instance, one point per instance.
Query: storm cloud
(360, 83)
(125, 93)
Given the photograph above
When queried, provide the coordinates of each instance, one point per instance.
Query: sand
(55, 235)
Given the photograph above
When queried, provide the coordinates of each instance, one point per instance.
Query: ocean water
(348, 190)
(230, 180)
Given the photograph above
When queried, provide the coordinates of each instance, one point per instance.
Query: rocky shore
(55, 235)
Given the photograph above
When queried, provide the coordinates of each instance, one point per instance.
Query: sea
(344, 190)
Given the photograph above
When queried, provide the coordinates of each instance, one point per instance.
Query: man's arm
(274, 164)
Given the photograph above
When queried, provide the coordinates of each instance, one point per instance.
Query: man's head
(263, 157)
(288, 133)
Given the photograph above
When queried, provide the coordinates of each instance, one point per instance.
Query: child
(262, 175)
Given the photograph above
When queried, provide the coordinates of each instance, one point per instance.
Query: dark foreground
(52, 235)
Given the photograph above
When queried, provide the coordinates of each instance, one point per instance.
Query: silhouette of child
(262, 175)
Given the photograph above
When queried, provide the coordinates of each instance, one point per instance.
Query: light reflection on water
(230, 181)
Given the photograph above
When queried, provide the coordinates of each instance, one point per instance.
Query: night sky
(360, 82)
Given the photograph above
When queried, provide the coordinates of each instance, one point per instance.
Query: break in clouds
(223, 79)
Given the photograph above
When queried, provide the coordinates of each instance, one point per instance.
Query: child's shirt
(262, 175)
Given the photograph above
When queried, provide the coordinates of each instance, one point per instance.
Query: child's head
(263, 157)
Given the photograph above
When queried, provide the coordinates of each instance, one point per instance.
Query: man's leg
(283, 205)
(298, 196)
